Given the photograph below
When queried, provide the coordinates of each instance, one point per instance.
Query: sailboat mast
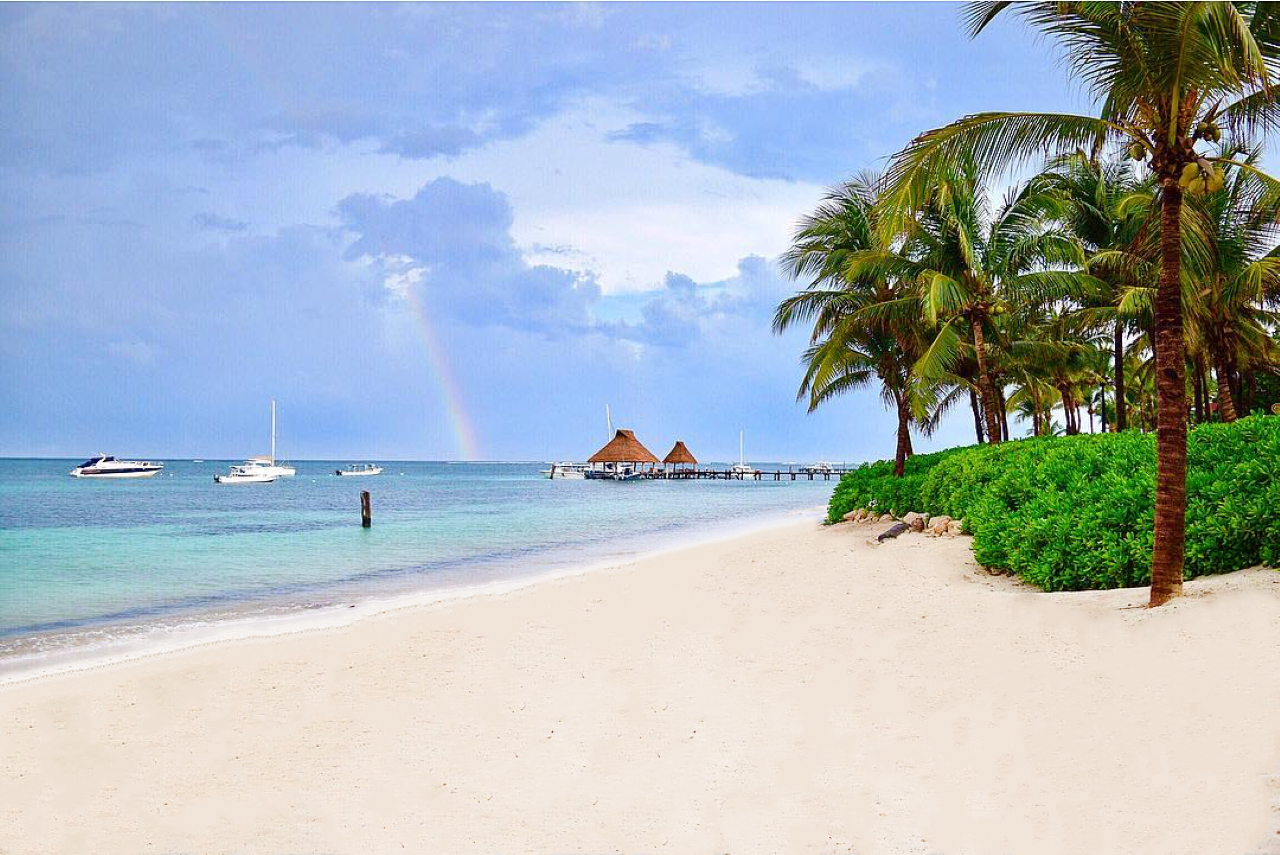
(608, 424)
(273, 431)
(742, 460)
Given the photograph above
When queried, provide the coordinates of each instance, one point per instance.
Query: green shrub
(1075, 513)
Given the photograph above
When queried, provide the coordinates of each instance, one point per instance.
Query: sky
(447, 231)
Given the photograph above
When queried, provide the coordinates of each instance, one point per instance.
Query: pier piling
(366, 509)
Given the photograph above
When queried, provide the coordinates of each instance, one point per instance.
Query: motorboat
(820, 468)
(104, 466)
(255, 471)
(566, 471)
(358, 469)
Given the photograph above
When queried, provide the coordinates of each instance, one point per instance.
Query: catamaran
(102, 466)
(741, 468)
(255, 471)
(261, 469)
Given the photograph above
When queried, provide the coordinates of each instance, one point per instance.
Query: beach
(789, 690)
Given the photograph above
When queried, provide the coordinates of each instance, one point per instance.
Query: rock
(914, 520)
(886, 518)
(853, 516)
(938, 525)
(894, 530)
(955, 527)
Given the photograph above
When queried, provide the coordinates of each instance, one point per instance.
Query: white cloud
(627, 211)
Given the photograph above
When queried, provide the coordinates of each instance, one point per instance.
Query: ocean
(97, 569)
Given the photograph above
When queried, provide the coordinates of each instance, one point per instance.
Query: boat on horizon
(741, 468)
(566, 471)
(105, 466)
(254, 470)
(354, 470)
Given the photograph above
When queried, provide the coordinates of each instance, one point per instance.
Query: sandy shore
(793, 690)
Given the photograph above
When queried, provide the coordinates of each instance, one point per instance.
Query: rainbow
(463, 433)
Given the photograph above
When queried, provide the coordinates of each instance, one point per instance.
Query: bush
(1076, 513)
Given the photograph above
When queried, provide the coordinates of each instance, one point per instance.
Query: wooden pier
(757, 475)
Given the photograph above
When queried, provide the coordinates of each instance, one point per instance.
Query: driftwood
(894, 531)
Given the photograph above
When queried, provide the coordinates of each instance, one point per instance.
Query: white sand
(788, 691)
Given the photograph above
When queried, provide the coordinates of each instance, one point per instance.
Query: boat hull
(243, 479)
(342, 474)
(147, 473)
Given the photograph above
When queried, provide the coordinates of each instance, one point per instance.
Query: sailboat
(261, 469)
(741, 469)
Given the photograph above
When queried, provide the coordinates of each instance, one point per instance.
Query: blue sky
(436, 230)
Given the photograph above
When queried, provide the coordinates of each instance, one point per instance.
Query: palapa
(680, 454)
(623, 448)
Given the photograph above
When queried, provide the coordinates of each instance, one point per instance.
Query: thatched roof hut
(623, 448)
(680, 455)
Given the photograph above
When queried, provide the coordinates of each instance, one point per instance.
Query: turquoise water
(87, 563)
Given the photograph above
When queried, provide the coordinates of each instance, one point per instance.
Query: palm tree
(1098, 211)
(844, 354)
(1164, 75)
(969, 263)
(1241, 271)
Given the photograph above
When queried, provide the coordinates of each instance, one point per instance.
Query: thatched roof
(623, 448)
(679, 454)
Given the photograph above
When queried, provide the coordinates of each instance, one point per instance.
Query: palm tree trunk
(1198, 404)
(984, 381)
(1171, 408)
(1068, 410)
(977, 415)
(1121, 420)
(904, 437)
(1226, 400)
(1004, 412)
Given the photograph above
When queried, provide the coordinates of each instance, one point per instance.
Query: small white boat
(741, 469)
(253, 471)
(566, 471)
(261, 469)
(358, 469)
(102, 466)
(819, 468)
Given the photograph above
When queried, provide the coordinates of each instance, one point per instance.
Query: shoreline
(196, 633)
(790, 689)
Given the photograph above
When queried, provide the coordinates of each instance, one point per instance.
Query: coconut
(1189, 173)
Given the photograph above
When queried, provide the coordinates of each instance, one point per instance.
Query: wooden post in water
(366, 509)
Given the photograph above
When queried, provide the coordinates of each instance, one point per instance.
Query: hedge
(1077, 513)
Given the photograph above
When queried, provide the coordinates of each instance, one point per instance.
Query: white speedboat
(357, 469)
(820, 468)
(254, 471)
(102, 466)
(566, 471)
